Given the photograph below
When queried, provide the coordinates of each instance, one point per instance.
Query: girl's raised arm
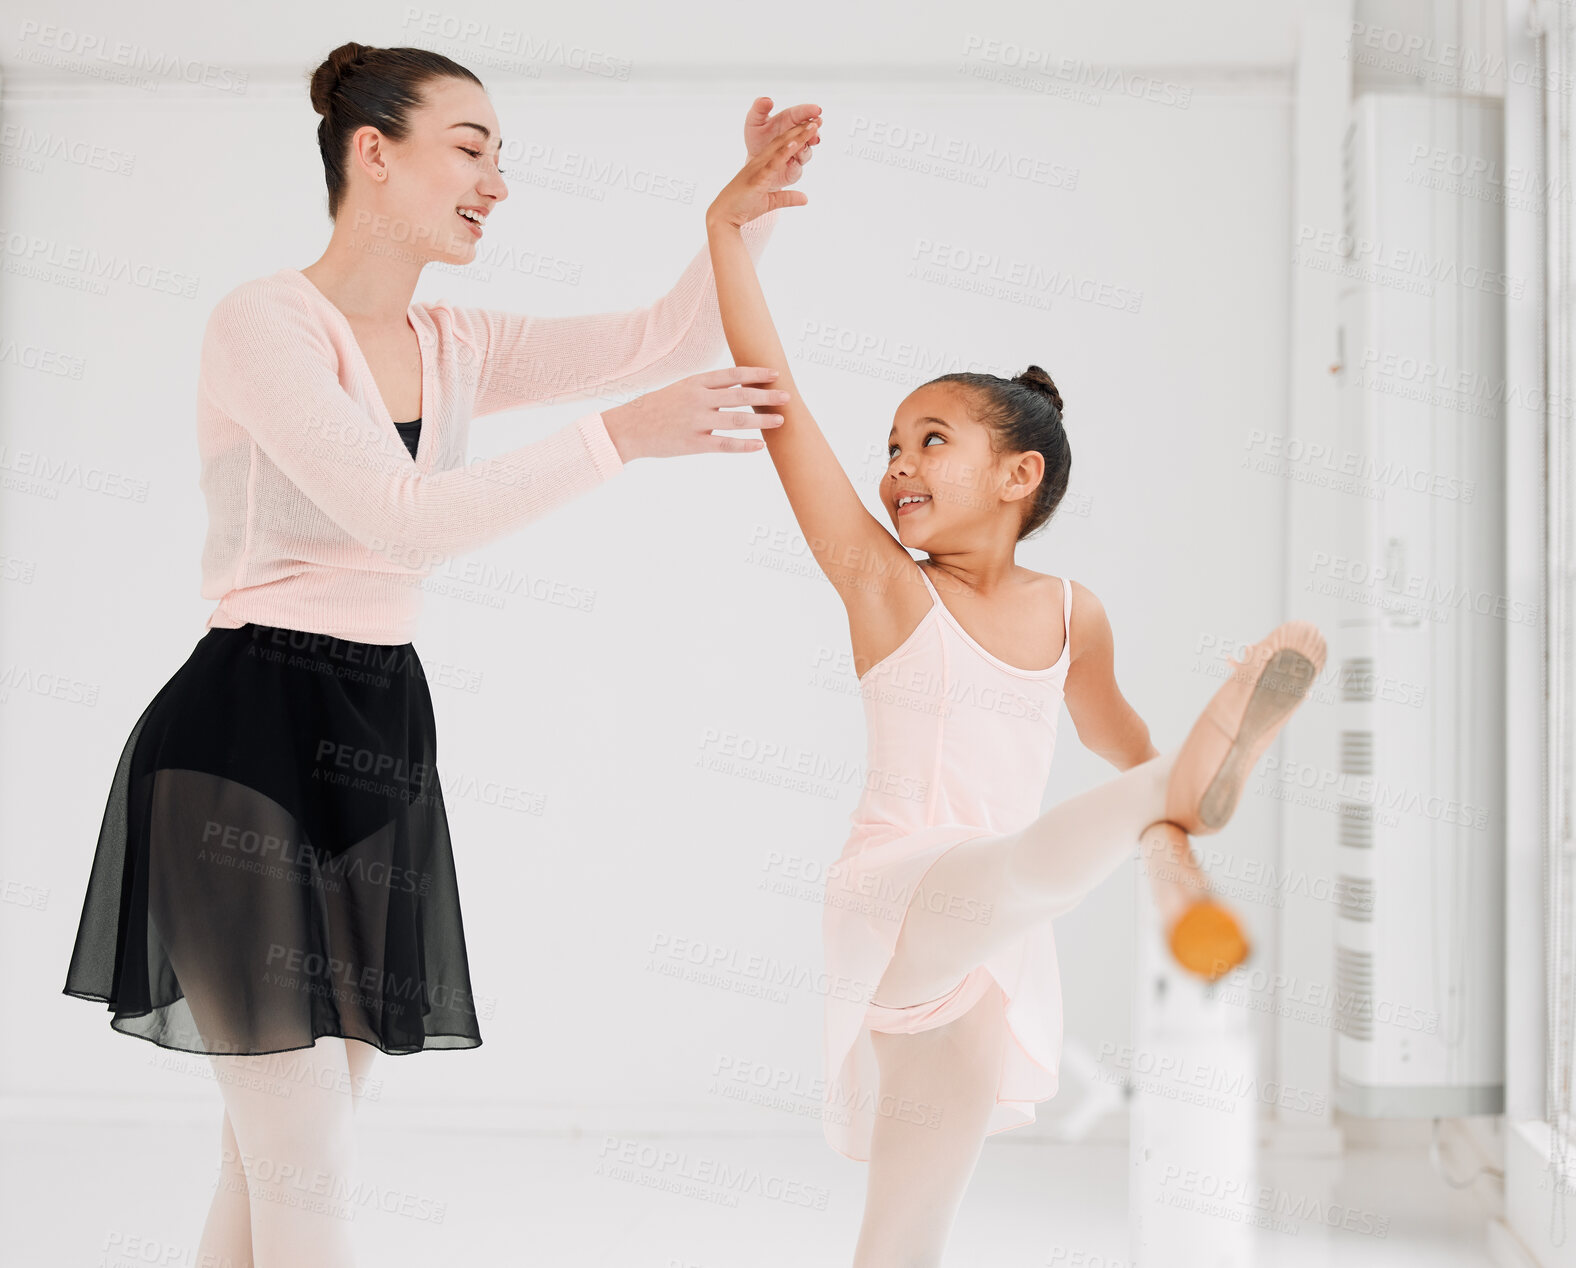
(854, 549)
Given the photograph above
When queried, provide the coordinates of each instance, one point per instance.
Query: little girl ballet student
(964, 659)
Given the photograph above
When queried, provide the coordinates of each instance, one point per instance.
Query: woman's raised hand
(679, 418)
(761, 128)
(758, 188)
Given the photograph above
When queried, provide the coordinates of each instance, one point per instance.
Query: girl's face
(440, 183)
(945, 488)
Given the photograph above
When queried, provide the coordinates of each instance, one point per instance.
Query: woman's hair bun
(325, 79)
(1040, 381)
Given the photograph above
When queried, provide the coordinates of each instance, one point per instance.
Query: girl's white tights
(1021, 878)
(919, 1170)
(288, 1158)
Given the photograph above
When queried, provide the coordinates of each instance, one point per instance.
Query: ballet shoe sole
(1293, 655)
(1280, 689)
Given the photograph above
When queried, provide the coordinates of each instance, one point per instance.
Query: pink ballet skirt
(959, 745)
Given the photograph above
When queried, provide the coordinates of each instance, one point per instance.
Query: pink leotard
(959, 745)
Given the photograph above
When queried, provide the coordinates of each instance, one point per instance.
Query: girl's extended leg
(941, 1084)
(1027, 876)
(1021, 879)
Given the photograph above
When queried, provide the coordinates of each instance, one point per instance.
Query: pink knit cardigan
(318, 517)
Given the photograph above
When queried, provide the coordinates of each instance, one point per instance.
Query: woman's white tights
(288, 1161)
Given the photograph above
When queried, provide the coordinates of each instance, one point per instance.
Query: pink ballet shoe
(1238, 724)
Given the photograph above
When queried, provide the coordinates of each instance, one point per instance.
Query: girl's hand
(758, 188)
(760, 131)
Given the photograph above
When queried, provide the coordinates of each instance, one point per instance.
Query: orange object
(1207, 940)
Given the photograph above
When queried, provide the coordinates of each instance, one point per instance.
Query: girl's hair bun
(1036, 378)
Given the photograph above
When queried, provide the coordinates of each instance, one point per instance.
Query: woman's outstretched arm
(518, 359)
(853, 548)
(269, 368)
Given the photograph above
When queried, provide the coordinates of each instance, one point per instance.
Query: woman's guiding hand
(778, 147)
(680, 418)
(760, 130)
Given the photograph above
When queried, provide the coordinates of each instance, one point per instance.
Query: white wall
(696, 626)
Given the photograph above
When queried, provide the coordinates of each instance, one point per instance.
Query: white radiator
(1418, 564)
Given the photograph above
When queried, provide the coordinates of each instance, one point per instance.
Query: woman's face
(440, 183)
(945, 488)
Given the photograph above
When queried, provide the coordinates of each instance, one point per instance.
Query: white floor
(93, 1196)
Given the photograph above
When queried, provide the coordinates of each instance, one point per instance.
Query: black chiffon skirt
(274, 863)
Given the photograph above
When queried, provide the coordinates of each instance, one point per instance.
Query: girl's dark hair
(357, 86)
(1024, 413)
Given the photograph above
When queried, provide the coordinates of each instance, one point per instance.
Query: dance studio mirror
(787, 638)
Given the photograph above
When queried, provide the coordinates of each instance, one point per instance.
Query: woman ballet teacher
(274, 884)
